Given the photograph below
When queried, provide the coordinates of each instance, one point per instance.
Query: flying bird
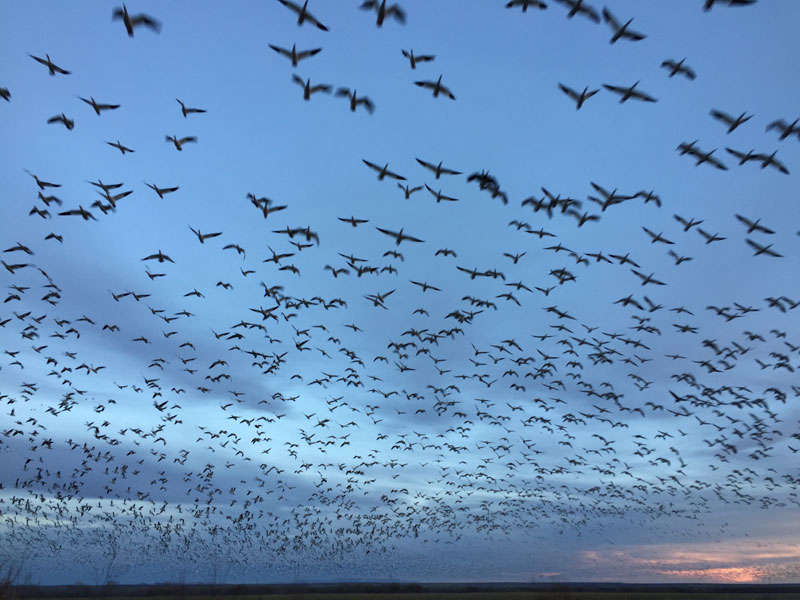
(730, 121)
(302, 13)
(710, 3)
(344, 92)
(62, 118)
(678, 68)
(760, 249)
(785, 128)
(179, 142)
(161, 191)
(437, 88)
(399, 236)
(159, 256)
(294, 55)
(526, 4)
(579, 7)
(383, 11)
(578, 98)
(120, 147)
(438, 170)
(188, 111)
(620, 30)
(629, 92)
(753, 226)
(98, 107)
(131, 22)
(308, 89)
(383, 171)
(52, 67)
(414, 59)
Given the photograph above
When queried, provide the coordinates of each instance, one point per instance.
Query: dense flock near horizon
(301, 328)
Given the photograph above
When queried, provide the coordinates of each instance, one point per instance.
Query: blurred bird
(413, 59)
(437, 88)
(131, 22)
(620, 30)
(53, 68)
(179, 142)
(344, 92)
(383, 11)
(188, 111)
(676, 68)
(294, 55)
(302, 13)
(578, 98)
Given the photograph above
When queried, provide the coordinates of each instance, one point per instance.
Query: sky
(571, 356)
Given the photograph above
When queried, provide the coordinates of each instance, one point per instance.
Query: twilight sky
(250, 356)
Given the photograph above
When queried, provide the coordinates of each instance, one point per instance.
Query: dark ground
(412, 591)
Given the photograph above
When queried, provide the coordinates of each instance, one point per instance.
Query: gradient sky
(363, 426)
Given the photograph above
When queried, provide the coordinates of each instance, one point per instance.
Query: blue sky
(477, 451)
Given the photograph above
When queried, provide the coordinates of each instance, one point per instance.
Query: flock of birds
(447, 428)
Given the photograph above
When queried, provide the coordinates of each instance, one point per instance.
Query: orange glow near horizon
(719, 575)
(747, 561)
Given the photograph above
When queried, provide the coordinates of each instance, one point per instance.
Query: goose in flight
(308, 89)
(438, 170)
(709, 3)
(179, 142)
(302, 13)
(52, 67)
(629, 92)
(770, 160)
(753, 225)
(526, 4)
(161, 191)
(98, 107)
(745, 156)
(676, 68)
(188, 111)
(578, 98)
(760, 249)
(385, 11)
(120, 147)
(580, 7)
(407, 190)
(42, 184)
(785, 128)
(79, 212)
(437, 88)
(344, 92)
(131, 22)
(399, 236)
(383, 171)
(620, 30)
(62, 118)
(159, 256)
(439, 195)
(353, 221)
(703, 157)
(413, 59)
(294, 55)
(204, 236)
(730, 121)
(5, 94)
